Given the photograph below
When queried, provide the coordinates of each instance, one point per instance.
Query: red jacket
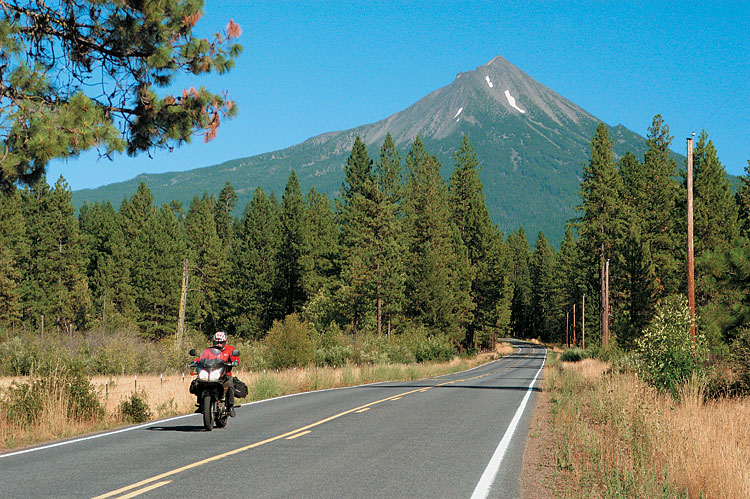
(225, 355)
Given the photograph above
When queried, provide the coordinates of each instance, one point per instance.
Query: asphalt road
(460, 435)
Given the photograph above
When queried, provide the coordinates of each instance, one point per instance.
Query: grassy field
(168, 395)
(614, 436)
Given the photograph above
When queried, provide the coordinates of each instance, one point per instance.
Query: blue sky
(317, 66)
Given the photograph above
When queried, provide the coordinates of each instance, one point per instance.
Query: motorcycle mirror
(193, 352)
(236, 353)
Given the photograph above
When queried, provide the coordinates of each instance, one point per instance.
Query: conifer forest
(399, 249)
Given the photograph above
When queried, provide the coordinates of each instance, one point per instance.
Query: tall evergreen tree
(256, 246)
(391, 243)
(322, 242)
(520, 311)
(358, 215)
(542, 266)
(637, 287)
(568, 285)
(156, 245)
(56, 283)
(657, 207)
(14, 247)
(599, 226)
(486, 248)
(439, 272)
(289, 289)
(715, 210)
(108, 262)
(223, 209)
(209, 258)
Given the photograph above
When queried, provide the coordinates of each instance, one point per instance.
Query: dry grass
(617, 437)
(168, 395)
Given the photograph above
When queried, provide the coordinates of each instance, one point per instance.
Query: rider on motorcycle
(220, 343)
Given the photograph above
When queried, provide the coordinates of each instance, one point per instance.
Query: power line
(731, 96)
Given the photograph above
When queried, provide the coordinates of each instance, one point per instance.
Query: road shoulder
(538, 468)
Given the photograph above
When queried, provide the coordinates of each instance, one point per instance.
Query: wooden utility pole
(574, 324)
(583, 323)
(690, 249)
(602, 299)
(567, 335)
(183, 303)
(606, 302)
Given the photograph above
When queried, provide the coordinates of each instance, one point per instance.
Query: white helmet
(220, 339)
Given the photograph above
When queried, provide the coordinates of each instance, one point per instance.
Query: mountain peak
(529, 140)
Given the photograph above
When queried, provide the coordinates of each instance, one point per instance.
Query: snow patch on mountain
(489, 82)
(459, 112)
(512, 102)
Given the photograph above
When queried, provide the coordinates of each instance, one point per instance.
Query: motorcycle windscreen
(211, 358)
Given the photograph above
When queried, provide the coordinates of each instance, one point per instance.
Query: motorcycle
(210, 386)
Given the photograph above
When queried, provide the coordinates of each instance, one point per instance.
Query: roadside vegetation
(666, 420)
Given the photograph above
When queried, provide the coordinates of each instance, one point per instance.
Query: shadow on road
(183, 428)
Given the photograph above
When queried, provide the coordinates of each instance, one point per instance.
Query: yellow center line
(299, 435)
(239, 450)
(141, 491)
(362, 410)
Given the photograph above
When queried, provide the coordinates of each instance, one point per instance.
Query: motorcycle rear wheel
(208, 412)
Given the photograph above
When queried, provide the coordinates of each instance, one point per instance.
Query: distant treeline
(398, 249)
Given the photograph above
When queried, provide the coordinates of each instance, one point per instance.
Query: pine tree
(56, 283)
(14, 249)
(58, 56)
(358, 215)
(637, 288)
(209, 258)
(392, 245)
(323, 243)
(541, 268)
(108, 268)
(520, 311)
(289, 290)
(156, 245)
(439, 274)
(254, 267)
(658, 205)
(568, 285)
(168, 248)
(486, 248)
(715, 210)
(223, 214)
(599, 226)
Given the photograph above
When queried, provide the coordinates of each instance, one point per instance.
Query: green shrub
(668, 356)
(426, 347)
(573, 355)
(289, 343)
(26, 400)
(399, 354)
(370, 351)
(337, 355)
(136, 409)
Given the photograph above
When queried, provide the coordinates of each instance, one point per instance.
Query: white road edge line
(482, 489)
(155, 423)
